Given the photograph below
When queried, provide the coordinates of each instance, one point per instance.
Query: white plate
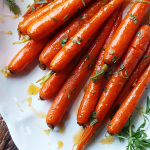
(26, 128)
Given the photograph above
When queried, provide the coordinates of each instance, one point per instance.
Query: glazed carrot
(65, 94)
(141, 66)
(81, 37)
(126, 109)
(116, 82)
(26, 55)
(53, 84)
(54, 18)
(125, 32)
(55, 44)
(23, 25)
(89, 100)
(34, 7)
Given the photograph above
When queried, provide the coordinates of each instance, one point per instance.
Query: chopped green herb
(133, 18)
(105, 90)
(120, 83)
(111, 53)
(114, 59)
(71, 73)
(94, 91)
(64, 40)
(93, 118)
(40, 2)
(78, 41)
(103, 48)
(87, 56)
(65, 17)
(33, 8)
(83, 2)
(145, 56)
(126, 75)
(121, 67)
(55, 19)
(68, 95)
(13, 7)
(99, 74)
(142, 1)
(80, 18)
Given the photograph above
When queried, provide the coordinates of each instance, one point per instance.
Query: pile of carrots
(72, 37)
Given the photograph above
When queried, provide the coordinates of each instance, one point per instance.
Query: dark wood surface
(6, 142)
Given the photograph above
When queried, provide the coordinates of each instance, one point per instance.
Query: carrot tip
(40, 98)
(42, 66)
(50, 126)
(80, 124)
(110, 133)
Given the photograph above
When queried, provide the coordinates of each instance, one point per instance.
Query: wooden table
(6, 142)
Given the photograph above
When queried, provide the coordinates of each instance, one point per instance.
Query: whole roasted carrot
(65, 94)
(54, 83)
(26, 55)
(89, 100)
(116, 82)
(81, 37)
(60, 39)
(141, 66)
(23, 25)
(126, 109)
(125, 32)
(46, 24)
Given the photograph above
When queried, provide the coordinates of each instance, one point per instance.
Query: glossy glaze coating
(126, 109)
(54, 46)
(125, 32)
(89, 100)
(54, 83)
(46, 24)
(36, 15)
(141, 66)
(61, 101)
(71, 49)
(26, 55)
(113, 88)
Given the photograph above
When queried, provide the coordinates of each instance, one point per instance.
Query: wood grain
(6, 142)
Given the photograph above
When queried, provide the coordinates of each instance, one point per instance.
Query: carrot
(46, 24)
(81, 37)
(26, 55)
(126, 109)
(125, 32)
(89, 100)
(23, 25)
(65, 94)
(34, 7)
(53, 84)
(141, 66)
(116, 82)
(55, 45)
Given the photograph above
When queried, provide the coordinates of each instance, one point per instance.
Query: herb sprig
(13, 7)
(137, 140)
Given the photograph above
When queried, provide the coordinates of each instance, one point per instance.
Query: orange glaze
(113, 86)
(125, 32)
(91, 95)
(54, 45)
(23, 25)
(53, 84)
(54, 18)
(63, 57)
(126, 109)
(26, 55)
(141, 66)
(65, 94)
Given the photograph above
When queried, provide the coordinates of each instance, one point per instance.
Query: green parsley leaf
(87, 56)
(93, 118)
(80, 18)
(83, 2)
(65, 17)
(40, 2)
(13, 7)
(64, 40)
(133, 18)
(114, 59)
(54, 19)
